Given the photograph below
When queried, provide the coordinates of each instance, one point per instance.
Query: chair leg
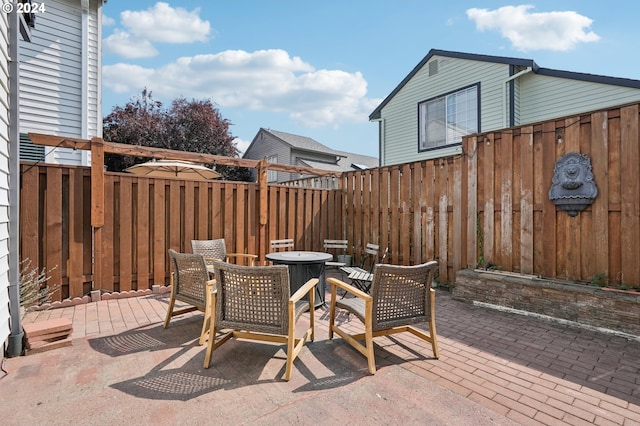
(332, 311)
(172, 302)
(368, 339)
(290, 352)
(434, 338)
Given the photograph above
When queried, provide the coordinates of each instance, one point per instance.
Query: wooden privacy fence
(490, 205)
(487, 206)
(144, 217)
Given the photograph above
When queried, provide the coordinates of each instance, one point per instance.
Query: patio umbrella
(173, 169)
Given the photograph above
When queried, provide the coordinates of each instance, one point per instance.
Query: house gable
(290, 149)
(511, 91)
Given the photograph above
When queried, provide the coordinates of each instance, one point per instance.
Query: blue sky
(318, 69)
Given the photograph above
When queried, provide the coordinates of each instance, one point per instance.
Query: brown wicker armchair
(189, 284)
(217, 250)
(254, 302)
(399, 297)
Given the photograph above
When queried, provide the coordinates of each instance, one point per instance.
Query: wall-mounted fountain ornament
(572, 186)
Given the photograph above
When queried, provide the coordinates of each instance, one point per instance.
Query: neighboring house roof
(593, 78)
(339, 161)
(348, 161)
(301, 142)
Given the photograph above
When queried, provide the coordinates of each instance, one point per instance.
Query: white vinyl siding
(4, 182)
(400, 117)
(60, 76)
(544, 97)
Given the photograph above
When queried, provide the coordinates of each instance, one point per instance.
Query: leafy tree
(193, 126)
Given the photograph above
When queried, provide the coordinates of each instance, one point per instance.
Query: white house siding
(4, 181)
(550, 97)
(59, 75)
(400, 115)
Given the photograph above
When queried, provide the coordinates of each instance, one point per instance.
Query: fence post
(97, 208)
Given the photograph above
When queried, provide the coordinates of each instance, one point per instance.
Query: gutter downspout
(504, 94)
(15, 345)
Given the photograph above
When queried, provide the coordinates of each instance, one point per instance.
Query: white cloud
(242, 145)
(126, 78)
(558, 31)
(160, 23)
(265, 80)
(166, 24)
(107, 21)
(123, 44)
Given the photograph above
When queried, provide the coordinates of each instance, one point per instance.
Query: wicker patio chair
(336, 245)
(254, 302)
(189, 284)
(400, 296)
(284, 244)
(217, 250)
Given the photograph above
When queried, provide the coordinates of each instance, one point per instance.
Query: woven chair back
(401, 294)
(210, 249)
(252, 298)
(190, 277)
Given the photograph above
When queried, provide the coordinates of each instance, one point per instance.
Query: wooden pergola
(99, 148)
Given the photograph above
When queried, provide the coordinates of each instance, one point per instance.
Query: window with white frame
(445, 119)
(272, 175)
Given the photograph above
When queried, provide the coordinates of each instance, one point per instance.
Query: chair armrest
(348, 288)
(302, 291)
(251, 257)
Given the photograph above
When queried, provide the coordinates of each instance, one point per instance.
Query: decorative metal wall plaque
(573, 188)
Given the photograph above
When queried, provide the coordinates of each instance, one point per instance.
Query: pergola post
(263, 206)
(97, 208)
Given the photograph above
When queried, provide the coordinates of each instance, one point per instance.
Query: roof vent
(433, 67)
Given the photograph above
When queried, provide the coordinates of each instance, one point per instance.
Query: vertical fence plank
(488, 168)
(471, 151)
(125, 233)
(456, 223)
(377, 192)
(174, 214)
(216, 210)
(160, 237)
(600, 207)
(53, 247)
(76, 231)
(238, 243)
(526, 201)
(204, 213)
(143, 237)
(403, 250)
(189, 207)
(630, 194)
(506, 201)
(229, 213)
(30, 210)
(443, 225)
(394, 215)
(417, 202)
(107, 235)
(614, 219)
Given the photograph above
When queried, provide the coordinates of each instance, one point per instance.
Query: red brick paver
(532, 371)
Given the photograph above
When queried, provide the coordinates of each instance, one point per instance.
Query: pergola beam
(169, 154)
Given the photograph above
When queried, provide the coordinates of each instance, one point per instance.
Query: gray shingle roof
(347, 161)
(302, 142)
